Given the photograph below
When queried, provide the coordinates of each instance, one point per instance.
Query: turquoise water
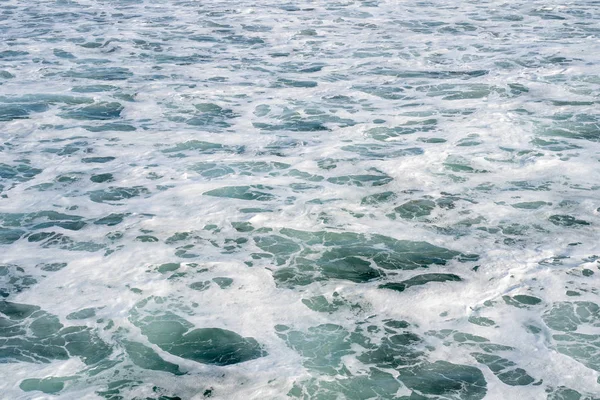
(311, 200)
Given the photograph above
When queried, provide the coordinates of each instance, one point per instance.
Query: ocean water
(309, 200)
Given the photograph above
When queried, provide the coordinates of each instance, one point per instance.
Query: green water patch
(530, 185)
(304, 257)
(101, 178)
(68, 149)
(209, 116)
(433, 140)
(460, 91)
(469, 141)
(202, 147)
(565, 393)
(29, 334)
(146, 239)
(378, 198)
(460, 164)
(531, 205)
(481, 321)
(98, 111)
(242, 226)
(9, 236)
(212, 170)
(583, 348)
(177, 336)
(6, 75)
(97, 160)
(325, 349)
(321, 304)
(415, 209)
(110, 127)
(82, 314)
(146, 358)
(282, 83)
(46, 99)
(12, 54)
(378, 179)
(521, 300)
(253, 192)
(305, 176)
(51, 385)
(566, 318)
(93, 88)
(18, 173)
(294, 125)
(58, 240)
(567, 221)
(42, 220)
(111, 219)
(383, 133)
(248, 168)
(381, 152)
(553, 144)
(299, 117)
(387, 92)
(223, 282)
(573, 126)
(115, 194)
(100, 73)
(200, 286)
(14, 279)
(420, 280)
(52, 267)
(168, 267)
(506, 370)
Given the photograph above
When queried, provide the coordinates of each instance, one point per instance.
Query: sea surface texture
(317, 200)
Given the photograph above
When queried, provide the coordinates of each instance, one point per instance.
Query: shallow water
(313, 200)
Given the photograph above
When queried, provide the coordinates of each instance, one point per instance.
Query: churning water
(312, 200)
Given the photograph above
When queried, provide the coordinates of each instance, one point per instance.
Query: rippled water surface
(311, 200)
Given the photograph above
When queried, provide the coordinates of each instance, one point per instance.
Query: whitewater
(328, 200)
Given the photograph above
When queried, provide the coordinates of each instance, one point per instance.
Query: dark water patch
(114, 194)
(223, 282)
(111, 220)
(110, 127)
(50, 385)
(98, 111)
(82, 314)
(420, 280)
(504, 369)
(377, 151)
(399, 349)
(378, 198)
(567, 221)
(415, 209)
(10, 112)
(101, 178)
(215, 346)
(242, 192)
(29, 334)
(146, 358)
(42, 220)
(97, 160)
(9, 236)
(100, 73)
(346, 256)
(361, 180)
(202, 147)
(14, 279)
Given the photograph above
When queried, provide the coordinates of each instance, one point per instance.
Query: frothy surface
(316, 200)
